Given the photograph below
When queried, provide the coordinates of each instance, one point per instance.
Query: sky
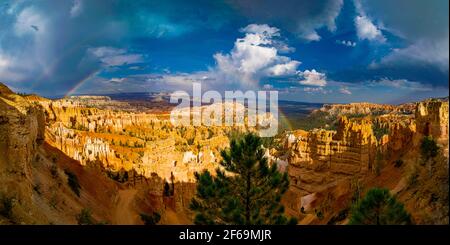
(330, 51)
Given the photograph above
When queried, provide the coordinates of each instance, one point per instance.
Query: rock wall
(400, 133)
(319, 158)
(22, 127)
(144, 142)
(366, 109)
(432, 119)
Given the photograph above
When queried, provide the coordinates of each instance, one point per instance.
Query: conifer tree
(246, 190)
(379, 207)
(429, 148)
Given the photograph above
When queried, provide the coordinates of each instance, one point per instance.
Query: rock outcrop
(326, 164)
(22, 127)
(122, 140)
(364, 108)
(321, 157)
(34, 177)
(396, 135)
(432, 120)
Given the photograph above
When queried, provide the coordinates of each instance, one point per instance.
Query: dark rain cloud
(303, 18)
(45, 44)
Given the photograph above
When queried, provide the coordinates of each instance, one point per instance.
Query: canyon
(327, 167)
(131, 160)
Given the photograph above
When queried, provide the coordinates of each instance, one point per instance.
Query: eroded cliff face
(147, 143)
(33, 176)
(432, 120)
(102, 132)
(365, 108)
(395, 135)
(326, 167)
(318, 159)
(22, 126)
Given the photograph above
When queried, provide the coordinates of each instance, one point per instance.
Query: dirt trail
(124, 213)
(171, 217)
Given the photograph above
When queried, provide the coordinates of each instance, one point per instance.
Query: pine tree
(379, 207)
(429, 147)
(85, 217)
(245, 191)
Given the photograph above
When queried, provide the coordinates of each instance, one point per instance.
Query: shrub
(302, 210)
(150, 219)
(190, 141)
(120, 176)
(342, 215)
(319, 214)
(398, 163)
(413, 175)
(379, 131)
(54, 171)
(72, 180)
(53, 201)
(6, 208)
(429, 148)
(268, 142)
(85, 217)
(54, 158)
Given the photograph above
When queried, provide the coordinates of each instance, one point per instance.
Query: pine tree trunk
(247, 208)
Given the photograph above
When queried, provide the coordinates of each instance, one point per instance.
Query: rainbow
(79, 84)
(283, 122)
(60, 58)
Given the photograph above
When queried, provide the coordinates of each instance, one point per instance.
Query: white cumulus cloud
(288, 68)
(254, 56)
(313, 78)
(254, 59)
(261, 29)
(365, 29)
(347, 43)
